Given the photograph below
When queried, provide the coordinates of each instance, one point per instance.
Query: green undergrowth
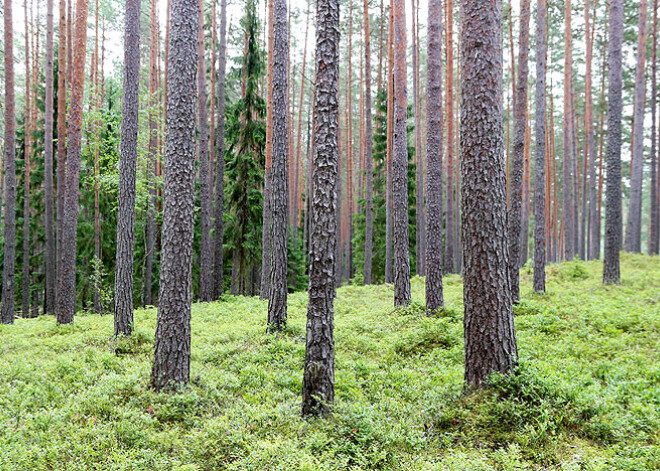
(586, 395)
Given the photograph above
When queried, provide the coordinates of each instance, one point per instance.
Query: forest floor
(586, 396)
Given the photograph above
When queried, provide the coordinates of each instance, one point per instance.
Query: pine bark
(449, 265)
(7, 309)
(277, 298)
(62, 84)
(516, 176)
(389, 273)
(318, 377)
(593, 238)
(567, 183)
(400, 161)
(634, 223)
(218, 272)
(66, 298)
(49, 301)
(27, 150)
(613, 228)
(434, 295)
(540, 151)
(205, 256)
(490, 340)
(654, 231)
(171, 365)
(420, 216)
(368, 154)
(127, 164)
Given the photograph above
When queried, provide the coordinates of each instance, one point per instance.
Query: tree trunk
(449, 265)
(66, 299)
(172, 346)
(27, 150)
(266, 233)
(279, 201)
(218, 272)
(420, 220)
(205, 255)
(567, 181)
(7, 314)
(611, 271)
(540, 151)
(62, 84)
(389, 274)
(519, 132)
(49, 301)
(654, 230)
(490, 339)
(593, 244)
(128, 159)
(368, 154)
(434, 298)
(634, 223)
(318, 377)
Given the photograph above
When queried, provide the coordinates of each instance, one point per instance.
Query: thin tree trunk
(66, 299)
(97, 171)
(7, 314)
(368, 153)
(420, 219)
(49, 301)
(517, 167)
(613, 229)
(567, 182)
(172, 346)
(277, 313)
(27, 150)
(449, 265)
(220, 156)
(62, 84)
(490, 339)
(389, 274)
(593, 245)
(634, 223)
(127, 163)
(654, 223)
(434, 296)
(318, 377)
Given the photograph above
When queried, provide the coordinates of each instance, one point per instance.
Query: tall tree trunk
(593, 245)
(97, 170)
(449, 265)
(7, 310)
(420, 219)
(66, 299)
(220, 155)
(62, 84)
(368, 153)
(434, 297)
(205, 255)
(318, 377)
(153, 153)
(567, 182)
(350, 166)
(279, 202)
(49, 301)
(389, 274)
(519, 132)
(611, 270)
(27, 150)
(127, 163)
(297, 203)
(400, 161)
(540, 150)
(266, 232)
(654, 230)
(172, 346)
(634, 223)
(490, 339)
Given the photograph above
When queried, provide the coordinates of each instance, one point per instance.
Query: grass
(585, 397)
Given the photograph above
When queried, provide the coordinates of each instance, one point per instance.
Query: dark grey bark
(66, 295)
(400, 162)
(49, 301)
(516, 177)
(318, 378)
(220, 155)
(172, 346)
(450, 226)
(420, 216)
(62, 84)
(279, 183)
(593, 238)
(205, 255)
(490, 339)
(368, 154)
(27, 150)
(434, 298)
(654, 222)
(266, 223)
(540, 151)
(7, 314)
(611, 270)
(127, 163)
(633, 241)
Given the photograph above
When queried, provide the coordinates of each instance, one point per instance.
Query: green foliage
(586, 395)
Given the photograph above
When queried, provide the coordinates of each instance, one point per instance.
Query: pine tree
(368, 153)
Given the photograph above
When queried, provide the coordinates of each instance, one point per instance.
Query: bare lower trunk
(449, 265)
(654, 232)
(49, 213)
(368, 154)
